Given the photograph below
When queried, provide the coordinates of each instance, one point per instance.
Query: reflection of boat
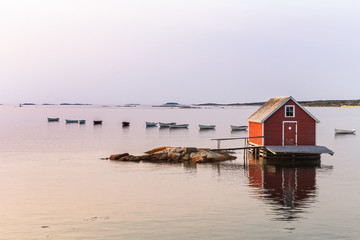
(238, 128)
(178, 125)
(151, 124)
(97, 122)
(207, 126)
(344, 131)
(71, 121)
(125, 124)
(162, 125)
(53, 119)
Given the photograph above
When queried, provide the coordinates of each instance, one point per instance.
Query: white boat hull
(151, 124)
(238, 128)
(344, 131)
(179, 126)
(207, 126)
(166, 124)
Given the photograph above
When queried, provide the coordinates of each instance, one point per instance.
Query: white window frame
(293, 106)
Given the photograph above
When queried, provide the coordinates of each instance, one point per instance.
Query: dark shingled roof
(299, 149)
(271, 106)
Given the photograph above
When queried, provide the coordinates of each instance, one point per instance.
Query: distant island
(315, 103)
(75, 104)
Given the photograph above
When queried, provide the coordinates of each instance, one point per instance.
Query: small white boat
(151, 124)
(238, 128)
(207, 126)
(53, 119)
(163, 125)
(344, 131)
(178, 125)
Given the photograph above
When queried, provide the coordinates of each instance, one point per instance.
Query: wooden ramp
(276, 150)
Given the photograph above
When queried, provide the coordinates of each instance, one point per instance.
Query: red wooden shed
(282, 121)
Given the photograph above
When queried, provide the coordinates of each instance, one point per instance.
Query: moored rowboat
(163, 125)
(179, 125)
(71, 121)
(238, 128)
(53, 119)
(97, 122)
(151, 124)
(344, 131)
(207, 126)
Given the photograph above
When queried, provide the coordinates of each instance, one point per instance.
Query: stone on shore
(177, 155)
(118, 156)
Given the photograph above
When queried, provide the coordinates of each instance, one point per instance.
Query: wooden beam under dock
(238, 148)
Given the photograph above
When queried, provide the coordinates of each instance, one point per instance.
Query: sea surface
(54, 185)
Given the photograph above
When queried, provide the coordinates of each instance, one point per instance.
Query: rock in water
(159, 149)
(118, 156)
(177, 154)
(190, 150)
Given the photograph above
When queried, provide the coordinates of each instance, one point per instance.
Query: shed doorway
(289, 133)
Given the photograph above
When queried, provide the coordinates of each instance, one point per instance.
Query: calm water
(53, 184)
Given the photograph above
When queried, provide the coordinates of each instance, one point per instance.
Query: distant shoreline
(315, 103)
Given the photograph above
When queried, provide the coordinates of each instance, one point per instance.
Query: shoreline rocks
(177, 155)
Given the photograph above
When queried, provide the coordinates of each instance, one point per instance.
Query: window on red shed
(290, 111)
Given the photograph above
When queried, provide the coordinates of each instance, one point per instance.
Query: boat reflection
(288, 190)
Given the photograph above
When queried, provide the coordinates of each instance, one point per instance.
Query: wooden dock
(292, 154)
(300, 153)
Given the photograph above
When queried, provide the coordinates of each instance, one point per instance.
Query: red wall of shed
(255, 130)
(306, 126)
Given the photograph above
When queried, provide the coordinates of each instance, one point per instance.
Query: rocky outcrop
(177, 155)
(118, 156)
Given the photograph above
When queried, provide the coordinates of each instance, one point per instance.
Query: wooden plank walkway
(238, 148)
(246, 142)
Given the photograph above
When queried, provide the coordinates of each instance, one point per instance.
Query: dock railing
(246, 143)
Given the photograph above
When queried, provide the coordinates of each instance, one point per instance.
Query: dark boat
(53, 119)
(71, 121)
(151, 124)
(97, 122)
(125, 124)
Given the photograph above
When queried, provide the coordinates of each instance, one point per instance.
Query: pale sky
(187, 51)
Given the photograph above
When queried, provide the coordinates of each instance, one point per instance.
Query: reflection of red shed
(282, 121)
(288, 190)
